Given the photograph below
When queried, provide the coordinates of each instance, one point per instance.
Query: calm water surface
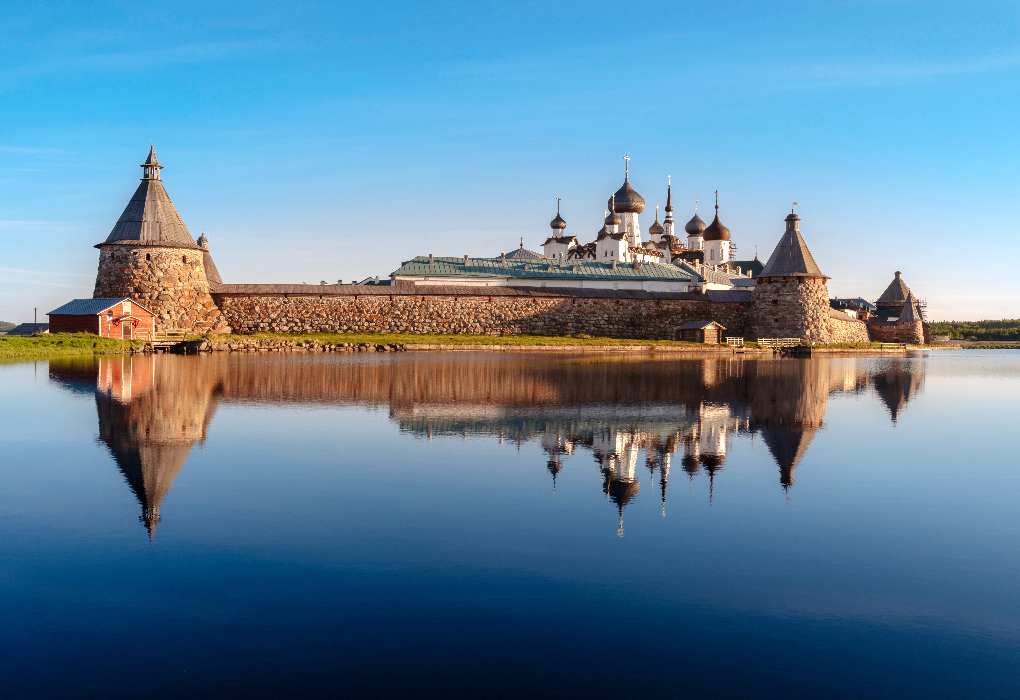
(510, 525)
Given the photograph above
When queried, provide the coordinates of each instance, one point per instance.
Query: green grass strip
(59, 345)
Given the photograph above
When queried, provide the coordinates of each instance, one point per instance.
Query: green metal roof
(541, 269)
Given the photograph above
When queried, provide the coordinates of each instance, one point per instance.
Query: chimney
(465, 259)
(612, 265)
(431, 259)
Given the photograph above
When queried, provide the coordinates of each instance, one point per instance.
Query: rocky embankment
(277, 345)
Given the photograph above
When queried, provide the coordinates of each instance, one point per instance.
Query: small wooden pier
(163, 340)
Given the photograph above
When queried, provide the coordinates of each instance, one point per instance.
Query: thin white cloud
(39, 283)
(898, 72)
(42, 272)
(137, 60)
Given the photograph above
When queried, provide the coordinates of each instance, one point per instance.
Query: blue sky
(329, 141)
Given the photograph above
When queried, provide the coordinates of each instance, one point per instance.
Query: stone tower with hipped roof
(895, 295)
(151, 257)
(791, 298)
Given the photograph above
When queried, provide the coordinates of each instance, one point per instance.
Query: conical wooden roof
(150, 218)
(910, 311)
(791, 258)
(896, 292)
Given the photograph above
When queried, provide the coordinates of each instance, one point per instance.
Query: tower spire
(626, 168)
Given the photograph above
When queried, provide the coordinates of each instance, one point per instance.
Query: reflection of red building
(110, 318)
(125, 379)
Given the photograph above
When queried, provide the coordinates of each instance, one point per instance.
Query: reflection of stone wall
(478, 380)
(170, 282)
(602, 317)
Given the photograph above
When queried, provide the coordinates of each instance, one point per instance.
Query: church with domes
(707, 251)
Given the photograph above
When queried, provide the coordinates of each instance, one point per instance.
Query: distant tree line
(1006, 329)
(7, 325)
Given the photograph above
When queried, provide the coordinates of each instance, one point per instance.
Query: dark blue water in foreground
(510, 525)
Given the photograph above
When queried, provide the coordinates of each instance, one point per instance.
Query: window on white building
(711, 255)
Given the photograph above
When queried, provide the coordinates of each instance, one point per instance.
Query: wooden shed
(110, 318)
(701, 332)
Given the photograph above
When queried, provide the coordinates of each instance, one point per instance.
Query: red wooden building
(110, 318)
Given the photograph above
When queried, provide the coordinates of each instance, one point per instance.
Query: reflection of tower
(897, 383)
(713, 439)
(788, 400)
(617, 455)
(556, 445)
(152, 410)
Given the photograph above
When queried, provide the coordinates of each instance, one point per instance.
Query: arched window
(148, 257)
(184, 259)
(711, 255)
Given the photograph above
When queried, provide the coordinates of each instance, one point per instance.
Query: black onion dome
(613, 219)
(656, 228)
(695, 227)
(716, 231)
(558, 223)
(628, 200)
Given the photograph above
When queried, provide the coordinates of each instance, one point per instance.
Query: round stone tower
(151, 257)
(791, 298)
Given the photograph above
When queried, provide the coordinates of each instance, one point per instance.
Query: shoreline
(81, 344)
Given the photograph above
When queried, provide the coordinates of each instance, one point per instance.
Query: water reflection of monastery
(631, 415)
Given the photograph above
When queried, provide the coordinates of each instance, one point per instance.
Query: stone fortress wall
(478, 311)
(911, 332)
